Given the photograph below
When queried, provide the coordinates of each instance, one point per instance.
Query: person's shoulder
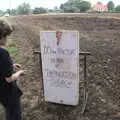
(3, 51)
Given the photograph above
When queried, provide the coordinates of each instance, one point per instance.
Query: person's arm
(14, 76)
(7, 70)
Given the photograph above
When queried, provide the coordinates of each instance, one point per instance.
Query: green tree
(83, 6)
(69, 6)
(61, 6)
(50, 10)
(117, 9)
(67, 10)
(11, 12)
(76, 6)
(111, 6)
(24, 8)
(8, 11)
(1, 12)
(40, 10)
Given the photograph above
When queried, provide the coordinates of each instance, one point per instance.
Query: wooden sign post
(60, 66)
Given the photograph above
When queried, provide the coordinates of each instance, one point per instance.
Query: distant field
(108, 15)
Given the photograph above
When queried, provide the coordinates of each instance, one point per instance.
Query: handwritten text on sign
(60, 63)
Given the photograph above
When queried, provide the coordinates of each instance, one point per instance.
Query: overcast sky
(5, 4)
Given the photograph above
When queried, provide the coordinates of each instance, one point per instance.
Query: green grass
(13, 51)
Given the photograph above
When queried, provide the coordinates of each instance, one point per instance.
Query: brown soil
(98, 35)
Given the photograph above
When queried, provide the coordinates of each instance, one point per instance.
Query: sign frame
(75, 94)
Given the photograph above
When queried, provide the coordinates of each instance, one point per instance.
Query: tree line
(69, 6)
(24, 9)
(112, 8)
(83, 6)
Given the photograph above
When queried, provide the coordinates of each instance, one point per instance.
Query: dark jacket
(7, 90)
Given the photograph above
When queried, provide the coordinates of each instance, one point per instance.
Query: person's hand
(16, 75)
(21, 72)
(18, 66)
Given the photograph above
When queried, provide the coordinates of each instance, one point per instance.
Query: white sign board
(60, 65)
